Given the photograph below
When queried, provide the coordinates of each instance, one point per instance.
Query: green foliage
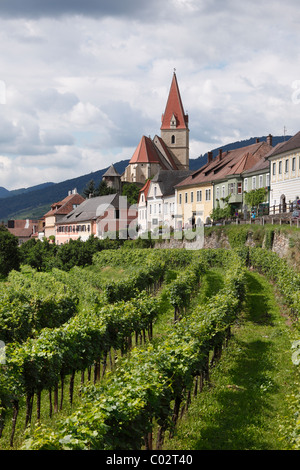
(225, 212)
(9, 252)
(255, 197)
(101, 190)
(118, 413)
(237, 236)
(38, 254)
(131, 191)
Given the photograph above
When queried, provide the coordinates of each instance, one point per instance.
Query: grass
(245, 407)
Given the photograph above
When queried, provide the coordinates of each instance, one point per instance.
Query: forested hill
(34, 202)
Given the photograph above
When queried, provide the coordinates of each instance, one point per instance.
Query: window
(192, 196)
(286, 166)
(159, 208)
(218, 192)
(294, 164)
(239, 188)
(254, 182)
(231, 188)
(223, 191)
(207, 194)
(173, 139)
(274, 169)
(150, 208)
(268, 179)
(180, 198)
(199, 196)
(260, 181)
(246, 184)
(155, 191)
(280, 168)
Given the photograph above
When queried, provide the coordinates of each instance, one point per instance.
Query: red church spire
(174, 116)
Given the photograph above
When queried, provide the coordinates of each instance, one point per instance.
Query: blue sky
(84, 81)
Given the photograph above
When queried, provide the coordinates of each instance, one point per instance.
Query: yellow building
(194, 203)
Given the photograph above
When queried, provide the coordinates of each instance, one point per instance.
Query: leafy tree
(38, 254)
(9, 252)
(225, 212)
(131, 191)
(255, 197)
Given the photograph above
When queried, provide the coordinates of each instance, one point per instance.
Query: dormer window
(173, 122)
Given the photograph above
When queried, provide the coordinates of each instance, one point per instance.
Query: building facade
(102, 217)
(157, 202)
(58, 211)
(285, 173)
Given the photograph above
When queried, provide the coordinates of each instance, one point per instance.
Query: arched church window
(173, 139)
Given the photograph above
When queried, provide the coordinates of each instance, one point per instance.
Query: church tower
(174, 127)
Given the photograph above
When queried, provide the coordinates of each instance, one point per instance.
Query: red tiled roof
(23, 228)
(233, 162)
(174, 107)
(145, 189)
(167, 153)
(146, 152)
(65, 206)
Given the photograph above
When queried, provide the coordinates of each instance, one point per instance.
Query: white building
(157, 202)
(285, 173)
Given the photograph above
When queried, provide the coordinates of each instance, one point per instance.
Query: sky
(82, 81)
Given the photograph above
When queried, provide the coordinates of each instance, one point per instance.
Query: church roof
(147, 152)
(174, 108)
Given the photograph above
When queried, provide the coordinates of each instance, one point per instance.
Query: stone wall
(220, 240)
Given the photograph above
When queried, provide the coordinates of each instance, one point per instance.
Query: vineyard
(110, 356)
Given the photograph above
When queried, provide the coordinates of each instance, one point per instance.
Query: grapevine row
(121, 413)
(88, 337)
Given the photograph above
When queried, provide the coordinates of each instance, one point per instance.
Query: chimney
(220, 154)
(209, 157)
(269, 139)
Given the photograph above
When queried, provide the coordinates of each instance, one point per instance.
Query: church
(170, 150)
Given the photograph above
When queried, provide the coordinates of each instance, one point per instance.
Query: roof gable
(292, 144)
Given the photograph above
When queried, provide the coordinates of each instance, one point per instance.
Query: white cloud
(84, 81)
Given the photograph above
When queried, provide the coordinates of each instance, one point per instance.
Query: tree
(131, 191)
(38, 254)
(255, 197)
(90, 189)
(9, 251)
(219, 213)
(101, 190)
(104, 190)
